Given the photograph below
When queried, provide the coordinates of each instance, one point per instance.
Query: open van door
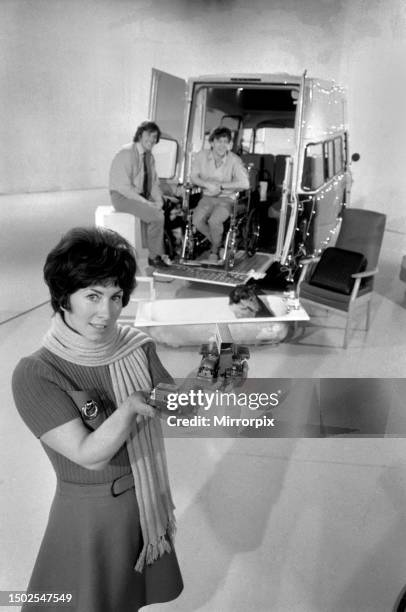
(167, 107)
(289, 209)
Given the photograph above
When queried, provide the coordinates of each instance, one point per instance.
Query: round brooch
(90, 410)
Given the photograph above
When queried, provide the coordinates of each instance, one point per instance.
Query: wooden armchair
(361, 232)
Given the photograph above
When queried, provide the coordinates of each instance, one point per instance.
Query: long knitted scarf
(128, 367)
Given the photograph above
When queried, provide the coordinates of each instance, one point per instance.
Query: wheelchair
(241, 230)
(174, 226)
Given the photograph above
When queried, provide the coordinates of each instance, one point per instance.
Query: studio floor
(294, 524)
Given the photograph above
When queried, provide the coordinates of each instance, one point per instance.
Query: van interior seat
(280, 165)
(259, 161)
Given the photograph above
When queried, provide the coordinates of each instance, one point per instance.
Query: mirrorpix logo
(208, 401)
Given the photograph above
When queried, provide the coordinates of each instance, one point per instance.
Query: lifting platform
(198, 271)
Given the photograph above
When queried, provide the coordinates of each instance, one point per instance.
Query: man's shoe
(166, 259)
(159, 261)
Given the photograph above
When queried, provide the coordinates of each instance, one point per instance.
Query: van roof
(282, 78)
(250, 78)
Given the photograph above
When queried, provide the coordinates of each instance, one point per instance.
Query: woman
(109, 538)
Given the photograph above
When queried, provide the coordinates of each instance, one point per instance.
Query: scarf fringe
(152, 551)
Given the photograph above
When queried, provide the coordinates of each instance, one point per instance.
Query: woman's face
(94, 311)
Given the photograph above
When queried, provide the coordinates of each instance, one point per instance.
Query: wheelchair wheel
(188, 245)
(189, 250)
(168, 245)
(251, 232)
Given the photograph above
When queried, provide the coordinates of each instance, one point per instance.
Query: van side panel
(323, 177)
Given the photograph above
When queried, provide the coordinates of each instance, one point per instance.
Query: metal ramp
(197, 271)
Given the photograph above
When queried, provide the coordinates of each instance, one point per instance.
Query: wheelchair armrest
(193, 188)
(237, 196)
(188, 191)
(243, 193)
(171, 199)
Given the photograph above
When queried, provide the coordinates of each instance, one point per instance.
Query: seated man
(220, 173)
(134, 188)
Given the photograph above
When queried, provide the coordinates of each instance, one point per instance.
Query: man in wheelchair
(220, 173)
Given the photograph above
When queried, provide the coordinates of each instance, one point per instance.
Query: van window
(322, 162)
(267, 140)
(313, 167)
(247, 141)
(329, 158)
(338, 155)
(165, 155)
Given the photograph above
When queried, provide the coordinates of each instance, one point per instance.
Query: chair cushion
(334, 270)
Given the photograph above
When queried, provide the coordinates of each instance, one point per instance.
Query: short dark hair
(147, 126)
(241, 292)
(87, 256)
(220, 132)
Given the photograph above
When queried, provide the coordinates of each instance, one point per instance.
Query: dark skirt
(89, 549)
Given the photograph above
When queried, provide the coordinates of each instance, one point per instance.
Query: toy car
(209, 366)
(229, 363)
(158, 397)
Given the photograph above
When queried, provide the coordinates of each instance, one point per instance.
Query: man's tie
(147, 180)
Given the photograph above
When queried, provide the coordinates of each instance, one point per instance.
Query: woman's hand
(94, 450)
(138, 405)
